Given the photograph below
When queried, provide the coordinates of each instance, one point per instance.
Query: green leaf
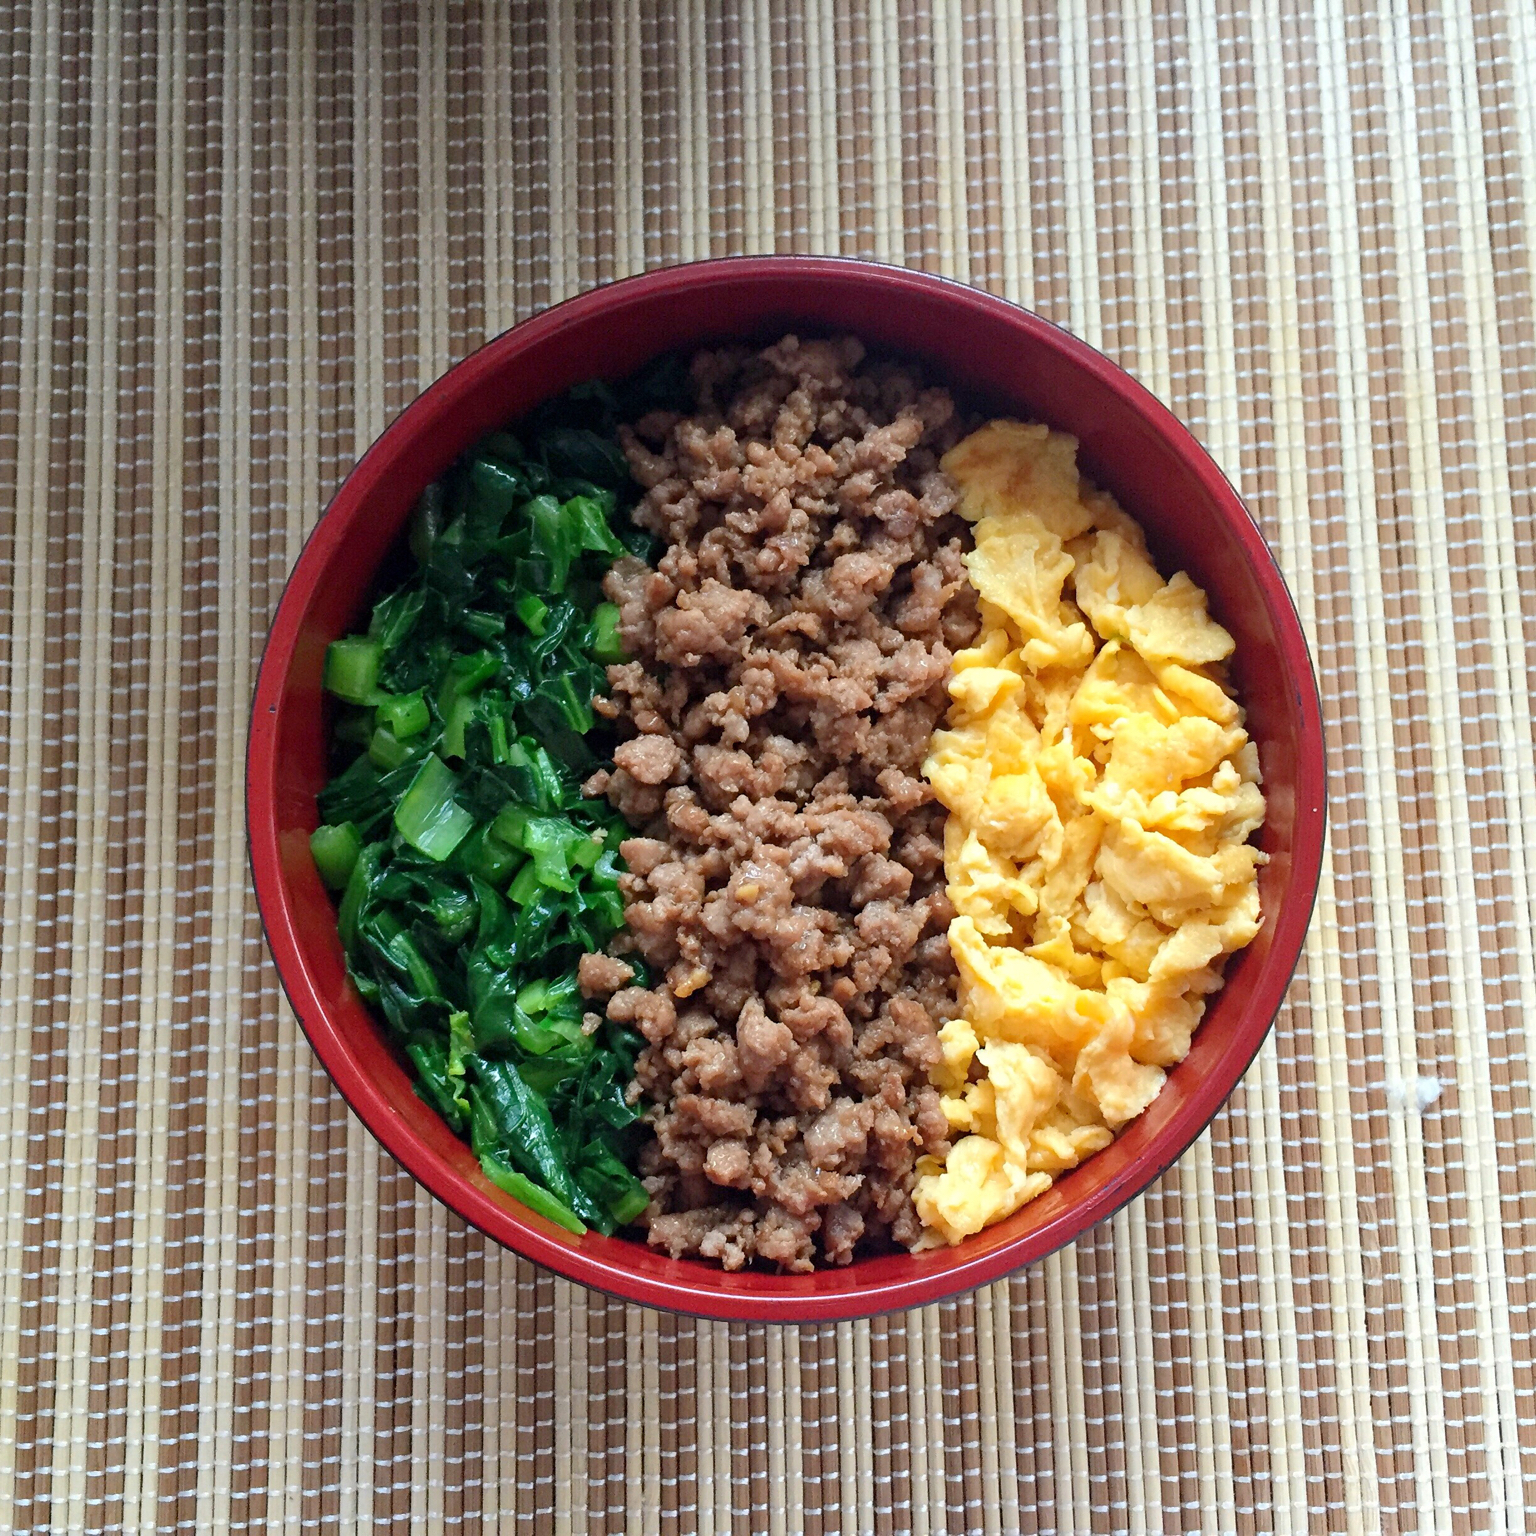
(497, 489)
(361, 794)
(589, 525)
(359, 888)
(611, 1184)
(395, 616)
(593, 456)
(427, 522)
(550, 539)
(467, 673)
(553, 843)
(528, 1134)
(504, 446)
(428, 1054)
(527, 887)
(557, 1068)
(482, 625)
(461, 1046)
(526, 1192)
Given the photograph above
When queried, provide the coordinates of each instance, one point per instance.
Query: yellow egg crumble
(1101, 791)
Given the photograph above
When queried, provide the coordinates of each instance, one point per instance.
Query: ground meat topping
(598, 975)
(789, 657)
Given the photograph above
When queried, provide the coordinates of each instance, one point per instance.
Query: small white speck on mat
(1419, 1091)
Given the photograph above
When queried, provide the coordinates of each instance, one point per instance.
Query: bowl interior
(1012, 362)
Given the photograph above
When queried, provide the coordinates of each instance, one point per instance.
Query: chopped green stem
(470, 672)
(386, 749)
(335, 851)
(605, 644)
(533, 611)
(405, 714)
(458, 715)
(428, 817)
(352, 669)
(501, 746)
(526, 887)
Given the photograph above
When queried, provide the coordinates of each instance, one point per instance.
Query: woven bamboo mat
(238, 240)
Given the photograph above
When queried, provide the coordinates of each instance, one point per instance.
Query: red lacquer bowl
(1013, 362)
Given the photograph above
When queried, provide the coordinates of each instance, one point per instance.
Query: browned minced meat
(598, 975)
(790, 651)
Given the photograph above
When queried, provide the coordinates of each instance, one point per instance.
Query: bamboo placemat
(237, 241)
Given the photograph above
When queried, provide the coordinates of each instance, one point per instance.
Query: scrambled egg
(1101, 791)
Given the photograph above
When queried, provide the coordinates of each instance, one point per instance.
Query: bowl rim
(541, 1242)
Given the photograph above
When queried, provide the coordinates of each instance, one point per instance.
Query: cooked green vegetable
(352, 669)
(428, 817)
(473, 873)
(605, 633)
(405, 715)
(385, 749)
(335, 850)
(531, 1195)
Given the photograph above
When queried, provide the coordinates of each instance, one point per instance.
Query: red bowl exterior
(1013, 361)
